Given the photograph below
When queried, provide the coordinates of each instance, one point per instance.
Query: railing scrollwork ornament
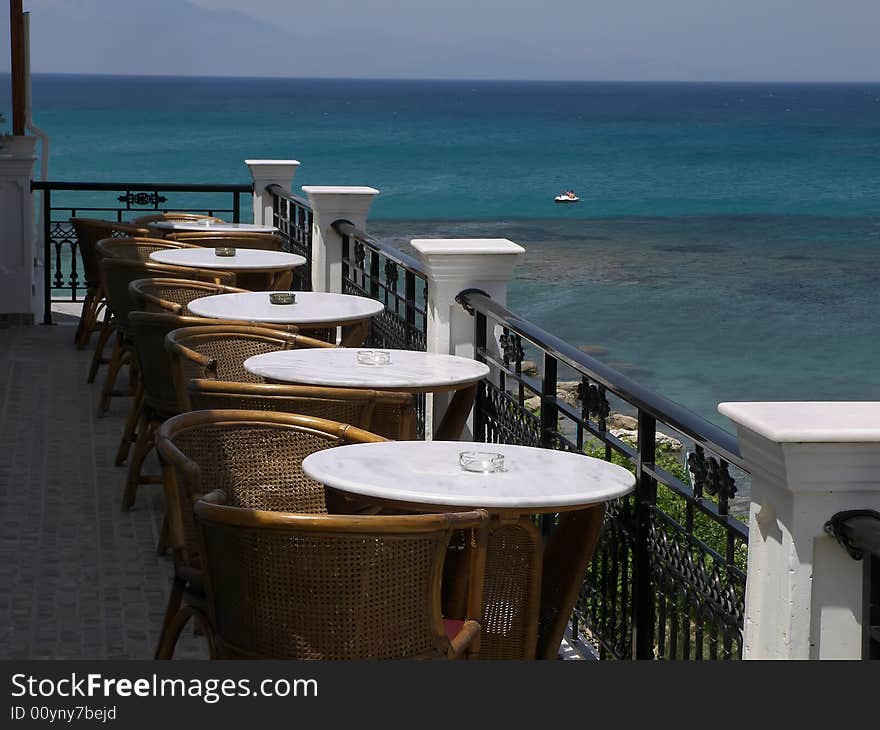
(511, 346)
(710, 475)
(593, 401)
(142, 200)
(391, 274)
(360, 254)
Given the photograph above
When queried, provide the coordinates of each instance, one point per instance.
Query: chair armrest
(463, 639)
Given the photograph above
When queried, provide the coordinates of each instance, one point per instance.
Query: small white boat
(568, 197)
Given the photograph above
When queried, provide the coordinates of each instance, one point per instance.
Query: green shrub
(705, 528)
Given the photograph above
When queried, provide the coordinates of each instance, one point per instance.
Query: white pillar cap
(311, 190)
(468, 259)
(444, 246)
(279, 170)
(272, 163)
(821, 447)
(808, 421)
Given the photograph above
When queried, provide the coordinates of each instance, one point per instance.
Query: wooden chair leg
(175, 599)
(166, 648)
(107, 328)
(116, 363)
(142, 448)
(172, 633)
(129, 435)
(164, 536)
(84, 328)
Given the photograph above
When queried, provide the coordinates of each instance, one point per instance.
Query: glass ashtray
(483, 462)
(373, 357)
(224, 251)
(282, 297)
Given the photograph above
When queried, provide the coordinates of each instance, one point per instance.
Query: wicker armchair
(218, 352)
(116, 275)
(293, 586)
(156, 399)
(388, 414)
(88, 232)
(172, 296)
(256, 456)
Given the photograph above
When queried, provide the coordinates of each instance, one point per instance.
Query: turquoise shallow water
(705, 309)
(726, 247)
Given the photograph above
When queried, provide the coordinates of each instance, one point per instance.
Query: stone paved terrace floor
(78, 577)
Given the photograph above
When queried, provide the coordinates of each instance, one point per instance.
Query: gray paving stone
(78, 577)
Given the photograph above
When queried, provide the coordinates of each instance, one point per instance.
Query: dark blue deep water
(726, 247)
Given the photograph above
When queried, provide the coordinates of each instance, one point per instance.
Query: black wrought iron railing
(292, 215)
(668, 577)
(858, 532)
(122, 202)
(373, 268)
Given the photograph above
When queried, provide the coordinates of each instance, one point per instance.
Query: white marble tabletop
(245, 258)
(339, 367)
(310, 308)
(427, 473)
(211, 226)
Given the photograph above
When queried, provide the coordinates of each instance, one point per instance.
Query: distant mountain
(179, 37)
(176, 37)
(162, 37)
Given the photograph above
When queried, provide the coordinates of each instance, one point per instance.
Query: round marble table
(214, 227)
(408, 371)
(263, 269)
(312, 310)
(526, 585)
(427, 475)
(245, 259)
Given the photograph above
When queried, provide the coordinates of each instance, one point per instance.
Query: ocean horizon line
(441, 80)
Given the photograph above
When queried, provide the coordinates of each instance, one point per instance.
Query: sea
(727, 242)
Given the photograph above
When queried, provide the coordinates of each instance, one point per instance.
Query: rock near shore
(619, 425)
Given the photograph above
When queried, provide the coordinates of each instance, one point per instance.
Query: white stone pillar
(329, 204)
(265, 173)
(454, 265)
(808, 461)
(18, 300)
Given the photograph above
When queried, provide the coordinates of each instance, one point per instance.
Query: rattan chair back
(134, 248)
(148, 331)
(244, 239)
(118, 273)
(145, 220)
(91, 230)
(293, 586)
(173, 295)
(219, 353)
(388, 414)
(88, 232)
(254, 457)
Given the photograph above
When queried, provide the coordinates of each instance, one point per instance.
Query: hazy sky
(801, 40)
